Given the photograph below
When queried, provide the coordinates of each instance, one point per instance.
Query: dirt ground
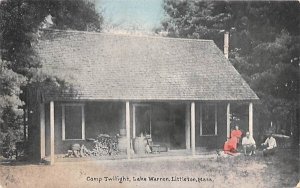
(241, 171)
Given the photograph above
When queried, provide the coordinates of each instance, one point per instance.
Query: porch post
(51, 132)
(133, 123)
(193, 119)
(187, 128)
(42, 130)
(128, 128)
(251, 118)
(228, 120)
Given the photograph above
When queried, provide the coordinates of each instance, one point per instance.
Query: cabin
(178, 91)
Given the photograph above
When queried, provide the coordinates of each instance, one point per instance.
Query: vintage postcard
(149, 93)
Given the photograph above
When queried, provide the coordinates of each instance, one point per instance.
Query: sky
(130, 15)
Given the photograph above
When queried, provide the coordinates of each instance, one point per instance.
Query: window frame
(201, 119)
(64, 121)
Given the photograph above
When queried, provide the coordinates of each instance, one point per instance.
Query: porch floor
(200, 152)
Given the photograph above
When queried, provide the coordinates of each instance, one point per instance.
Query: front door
(142, 119)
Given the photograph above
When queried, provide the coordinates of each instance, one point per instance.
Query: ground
(241, 171)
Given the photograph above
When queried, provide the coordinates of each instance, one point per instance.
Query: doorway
(142, 119)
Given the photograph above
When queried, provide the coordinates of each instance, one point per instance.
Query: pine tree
(264, 48)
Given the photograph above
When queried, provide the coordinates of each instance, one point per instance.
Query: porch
(184, 128)
(200, 152)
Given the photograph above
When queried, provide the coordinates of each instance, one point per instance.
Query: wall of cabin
(100, 118)
(168, 125)
(214, 141)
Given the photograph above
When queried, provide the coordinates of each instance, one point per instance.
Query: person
(236, 133)
(269, 145)
(230, 146)
(248, 144)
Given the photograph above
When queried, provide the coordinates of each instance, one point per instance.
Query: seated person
(248, 144)
(269, 145)
(230, 146)
(236, 133)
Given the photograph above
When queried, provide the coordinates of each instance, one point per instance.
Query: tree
(20, 21)
(10, 120)
(264, 48)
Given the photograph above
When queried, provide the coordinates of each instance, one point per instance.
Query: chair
(155, 148)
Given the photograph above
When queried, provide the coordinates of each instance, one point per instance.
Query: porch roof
(103, 66)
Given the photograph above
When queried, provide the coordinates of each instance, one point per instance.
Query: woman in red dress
(236, 133)
(231, 145)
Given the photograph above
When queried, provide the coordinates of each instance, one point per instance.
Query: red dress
(230, 146)
(236, 133)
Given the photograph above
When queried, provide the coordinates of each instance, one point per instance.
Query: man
(269, 145)
(248, 144)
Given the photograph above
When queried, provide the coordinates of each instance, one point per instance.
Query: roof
(103, 66)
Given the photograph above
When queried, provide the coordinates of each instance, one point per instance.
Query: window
(208, 120)
(73, 125)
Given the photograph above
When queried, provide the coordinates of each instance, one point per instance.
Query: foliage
(11, 114)
(20, 21)
(264, 48)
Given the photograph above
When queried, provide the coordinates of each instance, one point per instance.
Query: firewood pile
(103, 145)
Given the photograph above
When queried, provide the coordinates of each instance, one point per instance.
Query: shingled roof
(124, 67)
